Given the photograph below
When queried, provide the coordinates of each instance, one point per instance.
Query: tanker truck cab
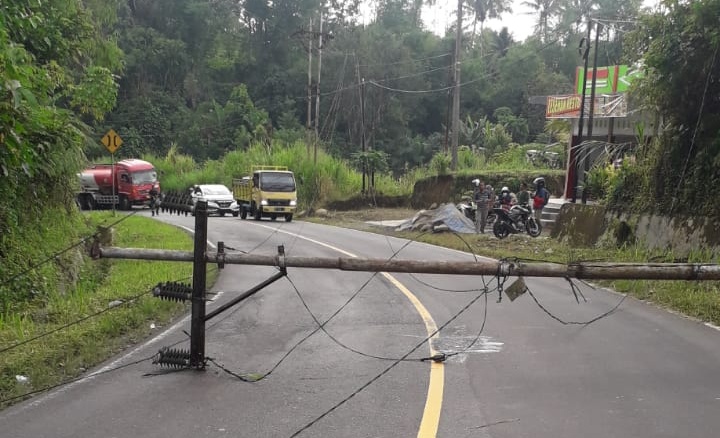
(270, 192)
(133, 181)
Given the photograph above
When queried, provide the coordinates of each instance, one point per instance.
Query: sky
(438, 18)
(520, 23)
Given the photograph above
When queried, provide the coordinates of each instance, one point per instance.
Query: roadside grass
(696, 299)
(110, 328)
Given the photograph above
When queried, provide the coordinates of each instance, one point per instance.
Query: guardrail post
(197, 323)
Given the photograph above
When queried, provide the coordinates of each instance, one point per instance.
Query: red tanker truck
(133, 180)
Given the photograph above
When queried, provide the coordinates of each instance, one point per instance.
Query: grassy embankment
(70, 351)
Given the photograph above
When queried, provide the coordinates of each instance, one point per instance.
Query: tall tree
(484, 9)
(574, 14)
(545, 10)
(681, 57)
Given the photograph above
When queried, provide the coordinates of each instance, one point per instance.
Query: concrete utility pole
(586, 164)
(317, 91)
(361, 91)
(456, 89)
(308, 126)
(574, 151)
(584, 270)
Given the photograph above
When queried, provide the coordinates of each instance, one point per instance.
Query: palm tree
(573, 13)
(484, 9)
(545, 9)
(503, 41)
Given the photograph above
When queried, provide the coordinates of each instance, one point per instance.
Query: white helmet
(476, 182)
(539, 180)
(505, 189)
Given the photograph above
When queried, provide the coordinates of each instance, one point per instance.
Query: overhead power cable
(409, 61)
(76, 379)
(440, 358)
(34, 266)
(436, 90)
(125, 301)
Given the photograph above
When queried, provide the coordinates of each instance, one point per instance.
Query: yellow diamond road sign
(112, 141)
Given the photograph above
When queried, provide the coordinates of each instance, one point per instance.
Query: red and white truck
(123, 184)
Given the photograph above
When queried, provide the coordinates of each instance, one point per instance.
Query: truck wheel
(124, 203)
(243, 213)
(288, 217)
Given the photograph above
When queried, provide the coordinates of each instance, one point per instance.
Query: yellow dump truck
(270, 192)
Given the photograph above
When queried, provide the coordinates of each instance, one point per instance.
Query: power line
(127, 300)
(697, 126)
(440, 358)
(76, 379)
(436, 90)
(410, 61)
(59, 253)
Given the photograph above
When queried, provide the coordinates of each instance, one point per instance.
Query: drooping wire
(697, 127)
(583, 323)
(61, 252)
(128, 300)
(439, 358)
(318, 328)
(76, 379)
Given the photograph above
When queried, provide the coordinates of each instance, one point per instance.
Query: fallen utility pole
(200, 257)
(580, 270)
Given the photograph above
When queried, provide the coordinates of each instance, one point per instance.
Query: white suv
(220, 199)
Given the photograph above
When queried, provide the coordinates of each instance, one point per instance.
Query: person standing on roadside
(541, 198)
(482, 200)
(523, 197)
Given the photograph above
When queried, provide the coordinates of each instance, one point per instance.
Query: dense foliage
(677, 173)
(211, 83)
(214, 77)
(55, 71)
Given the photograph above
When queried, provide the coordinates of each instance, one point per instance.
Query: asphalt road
(639, 372)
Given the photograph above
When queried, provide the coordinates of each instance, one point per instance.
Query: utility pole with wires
(308, 126)
(317, 91)
(586, 164)
(361, 82)
(456, 89)
(574, 150)
(308, 39)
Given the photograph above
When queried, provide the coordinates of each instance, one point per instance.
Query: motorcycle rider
(505, 198)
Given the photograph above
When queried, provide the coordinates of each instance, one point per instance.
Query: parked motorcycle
(518, 219)
(469, 208)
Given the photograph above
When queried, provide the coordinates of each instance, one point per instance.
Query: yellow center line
(433, 402)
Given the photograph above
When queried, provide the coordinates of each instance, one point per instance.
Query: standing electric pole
(574, 151)
(312, 124)
(586, 164)
(317, 91)
(456, 89)
(308, 126)
(361, 91)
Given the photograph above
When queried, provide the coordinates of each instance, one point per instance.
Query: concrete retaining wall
(590, 224)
